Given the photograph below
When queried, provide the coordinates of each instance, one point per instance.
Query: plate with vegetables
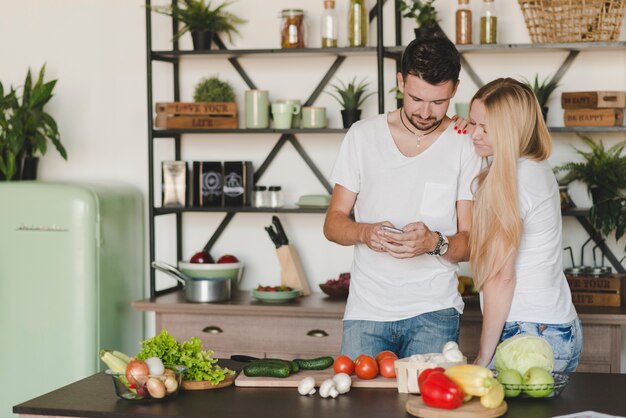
(275, 294)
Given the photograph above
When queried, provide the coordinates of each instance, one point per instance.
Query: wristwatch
(442, 245)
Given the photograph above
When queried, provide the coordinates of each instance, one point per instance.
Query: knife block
(291, 271)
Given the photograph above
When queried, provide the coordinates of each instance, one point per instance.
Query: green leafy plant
(213, 90)
(197, 16)
(422, 11)
(351, 95)
(543, 89)
(200, 365)
(25, 128)
(604, 172)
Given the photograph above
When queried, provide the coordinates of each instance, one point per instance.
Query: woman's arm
(497, 299)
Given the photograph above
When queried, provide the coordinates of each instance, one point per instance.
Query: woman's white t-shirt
(402, 190)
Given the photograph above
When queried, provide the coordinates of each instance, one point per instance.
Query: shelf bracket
(222, 226)
(310, 163)
(470, 72)
(270, 157)
(322, 84)
(565, 66)
(234, 61)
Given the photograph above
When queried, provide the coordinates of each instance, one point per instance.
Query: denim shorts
(425, 333)
(566, 340)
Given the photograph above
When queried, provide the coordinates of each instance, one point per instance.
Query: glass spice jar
(488, 23)
(463, 23)
(292, 28)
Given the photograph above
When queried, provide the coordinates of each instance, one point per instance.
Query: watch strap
(438, 246)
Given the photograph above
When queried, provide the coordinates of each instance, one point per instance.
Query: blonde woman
(515, 241)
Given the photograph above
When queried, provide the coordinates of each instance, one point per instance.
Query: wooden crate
(597, 291)
(196, 115)
(593, 117)
(593, 100)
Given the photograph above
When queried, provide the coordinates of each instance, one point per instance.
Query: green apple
(539, 382)
(512, 382)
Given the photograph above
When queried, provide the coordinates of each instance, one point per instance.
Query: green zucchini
(319, 363)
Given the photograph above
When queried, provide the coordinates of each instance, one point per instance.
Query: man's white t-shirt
(399, 189)
(542, 294)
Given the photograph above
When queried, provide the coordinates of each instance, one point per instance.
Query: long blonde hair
(516, 129)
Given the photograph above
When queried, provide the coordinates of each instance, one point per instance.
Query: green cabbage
(524, 351)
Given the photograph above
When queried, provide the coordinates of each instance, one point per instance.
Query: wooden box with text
(196, 115)
(598, 290)
(593, 100)
(593, 117)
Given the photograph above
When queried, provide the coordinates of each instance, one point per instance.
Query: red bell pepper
(439, 391)
(425, 373)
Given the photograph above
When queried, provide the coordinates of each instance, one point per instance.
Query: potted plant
(604, 172)
(542, 91)
(425, 16)
(213, 89)
(201, 21)
(25, 128)
(351, 97)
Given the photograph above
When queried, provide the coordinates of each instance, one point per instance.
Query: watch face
(444, 248)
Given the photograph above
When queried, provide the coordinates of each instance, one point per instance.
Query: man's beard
(434, 122)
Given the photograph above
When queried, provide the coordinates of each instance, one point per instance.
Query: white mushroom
(327, 388)
(342, 382)
(453, 355)
(306, 386)
(449, 346)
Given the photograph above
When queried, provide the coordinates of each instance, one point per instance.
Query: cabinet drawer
(257, 335)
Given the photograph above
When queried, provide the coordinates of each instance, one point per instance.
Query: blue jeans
(425, 333)
(566, 340)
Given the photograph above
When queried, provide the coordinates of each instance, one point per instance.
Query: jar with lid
(329, 25)
(488, 23)
(292, 28)
(357, 23)
(463, 23)
(275, 197)
(259, 196)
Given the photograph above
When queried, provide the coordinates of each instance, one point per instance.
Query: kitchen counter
(95, 397)
(311, 326)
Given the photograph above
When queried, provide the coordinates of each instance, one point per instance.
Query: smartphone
(392, 229)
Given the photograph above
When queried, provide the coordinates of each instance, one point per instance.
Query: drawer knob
(319, 333)
(212, 329)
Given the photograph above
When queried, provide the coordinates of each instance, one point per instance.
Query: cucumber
(319, 363)
(293, 365)
(268, 368)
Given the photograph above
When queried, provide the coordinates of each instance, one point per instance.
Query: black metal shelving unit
(380, 52)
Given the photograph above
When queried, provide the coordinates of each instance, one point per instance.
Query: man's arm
(419, 239)
(339, 227)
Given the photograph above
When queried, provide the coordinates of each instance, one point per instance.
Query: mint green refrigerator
(71, 263)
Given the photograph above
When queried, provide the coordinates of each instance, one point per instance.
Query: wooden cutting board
(196, 385)
(319, 375)
(471, 409)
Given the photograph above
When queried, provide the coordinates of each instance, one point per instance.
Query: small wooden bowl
(335, 292)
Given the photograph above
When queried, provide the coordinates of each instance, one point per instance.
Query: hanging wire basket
(573, 20)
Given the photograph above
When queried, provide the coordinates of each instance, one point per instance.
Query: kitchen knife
(273, 236)
(280, 230)
(243, 358)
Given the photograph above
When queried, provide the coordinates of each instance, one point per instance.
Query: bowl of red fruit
(202, 265)
(337, 288)
(275, 294)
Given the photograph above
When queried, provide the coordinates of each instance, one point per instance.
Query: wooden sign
(596, 299)
(597, 290)
(195, 122)
(591, 284)
(593, 117)
(197, 108)
(593, 100)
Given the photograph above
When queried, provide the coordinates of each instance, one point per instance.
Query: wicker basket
(573, 20)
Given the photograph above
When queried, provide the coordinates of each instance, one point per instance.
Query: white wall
(97, 48)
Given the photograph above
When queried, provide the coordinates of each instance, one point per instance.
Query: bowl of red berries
(275, 294)
(337, 288)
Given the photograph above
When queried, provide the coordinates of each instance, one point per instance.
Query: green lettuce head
(524, 351)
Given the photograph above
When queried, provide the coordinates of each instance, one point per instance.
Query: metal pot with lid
(575, 270)
(198, 289)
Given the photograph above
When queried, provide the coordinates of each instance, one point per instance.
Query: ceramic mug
(462, 109)
(297, 118)
(257, 109)
(283, 113)
(313, 117)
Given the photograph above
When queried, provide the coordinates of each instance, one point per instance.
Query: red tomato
(366, 367)
(384, 354)
(343, 364)
(386, 367)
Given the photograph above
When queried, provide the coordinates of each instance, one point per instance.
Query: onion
(137, 372)
(155, 365)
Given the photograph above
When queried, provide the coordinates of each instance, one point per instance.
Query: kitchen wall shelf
(588, 129)
(172, 132)
(169, 55)
(236, 209)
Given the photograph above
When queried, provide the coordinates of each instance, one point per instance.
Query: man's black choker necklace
(419, 136)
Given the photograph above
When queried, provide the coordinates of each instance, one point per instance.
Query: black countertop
(94, 396)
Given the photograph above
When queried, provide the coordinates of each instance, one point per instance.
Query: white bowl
(232, 271)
